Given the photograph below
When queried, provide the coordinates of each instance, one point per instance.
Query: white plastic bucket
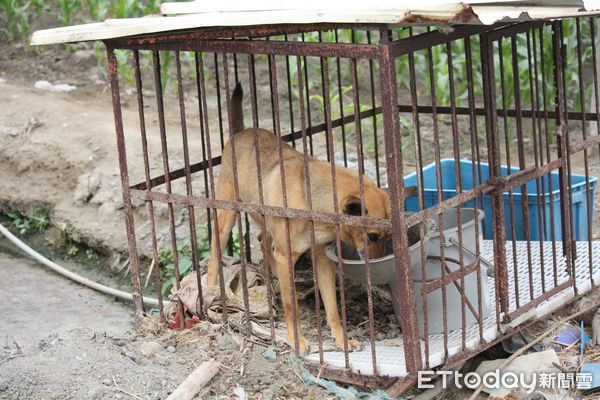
(433, 270)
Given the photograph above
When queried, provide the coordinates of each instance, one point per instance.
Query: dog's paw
(353, 345)
(303, 346)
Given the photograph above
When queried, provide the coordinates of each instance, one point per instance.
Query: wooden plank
(267, 12)
(195, 381)
(115, 29)
(437, 7)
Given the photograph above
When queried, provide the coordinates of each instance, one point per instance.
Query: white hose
(72, 276)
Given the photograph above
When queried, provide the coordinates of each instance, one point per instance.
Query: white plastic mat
(390, 353)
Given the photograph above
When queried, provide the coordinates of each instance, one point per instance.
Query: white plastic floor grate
(390, 353)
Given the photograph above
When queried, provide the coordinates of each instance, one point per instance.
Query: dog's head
(377, 205)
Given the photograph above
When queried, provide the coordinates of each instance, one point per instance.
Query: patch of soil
(81, 363)
(59, 340)
(36, 301)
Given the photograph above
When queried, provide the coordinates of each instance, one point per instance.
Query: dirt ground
(59, 340)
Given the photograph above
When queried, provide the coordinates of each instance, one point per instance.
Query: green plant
(126, 69)
(97, 9)
(123, 8)
(66, 9)
(71, 246)
(41, 219)
(149, 7)
(73, 250)
(131, 8)
(166, 59)
(38, 221)
(185, 259)
(101, 57)
(65, 231)
(184, 265)
(235, 241)
(14, 19)
(91, 255)
(39, 6)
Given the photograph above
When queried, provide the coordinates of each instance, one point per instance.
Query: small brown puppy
(377, 204)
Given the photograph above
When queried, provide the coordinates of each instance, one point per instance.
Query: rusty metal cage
(386, 102)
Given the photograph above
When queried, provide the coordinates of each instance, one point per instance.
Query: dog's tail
(237, 113)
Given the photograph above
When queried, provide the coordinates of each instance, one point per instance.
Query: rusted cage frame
(385, 54)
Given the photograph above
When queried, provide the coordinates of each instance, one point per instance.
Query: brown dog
(377, 205)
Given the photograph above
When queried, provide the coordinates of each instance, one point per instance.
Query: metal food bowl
(383, 269)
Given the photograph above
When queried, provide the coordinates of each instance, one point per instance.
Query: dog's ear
(351, 206)
(410, 191)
